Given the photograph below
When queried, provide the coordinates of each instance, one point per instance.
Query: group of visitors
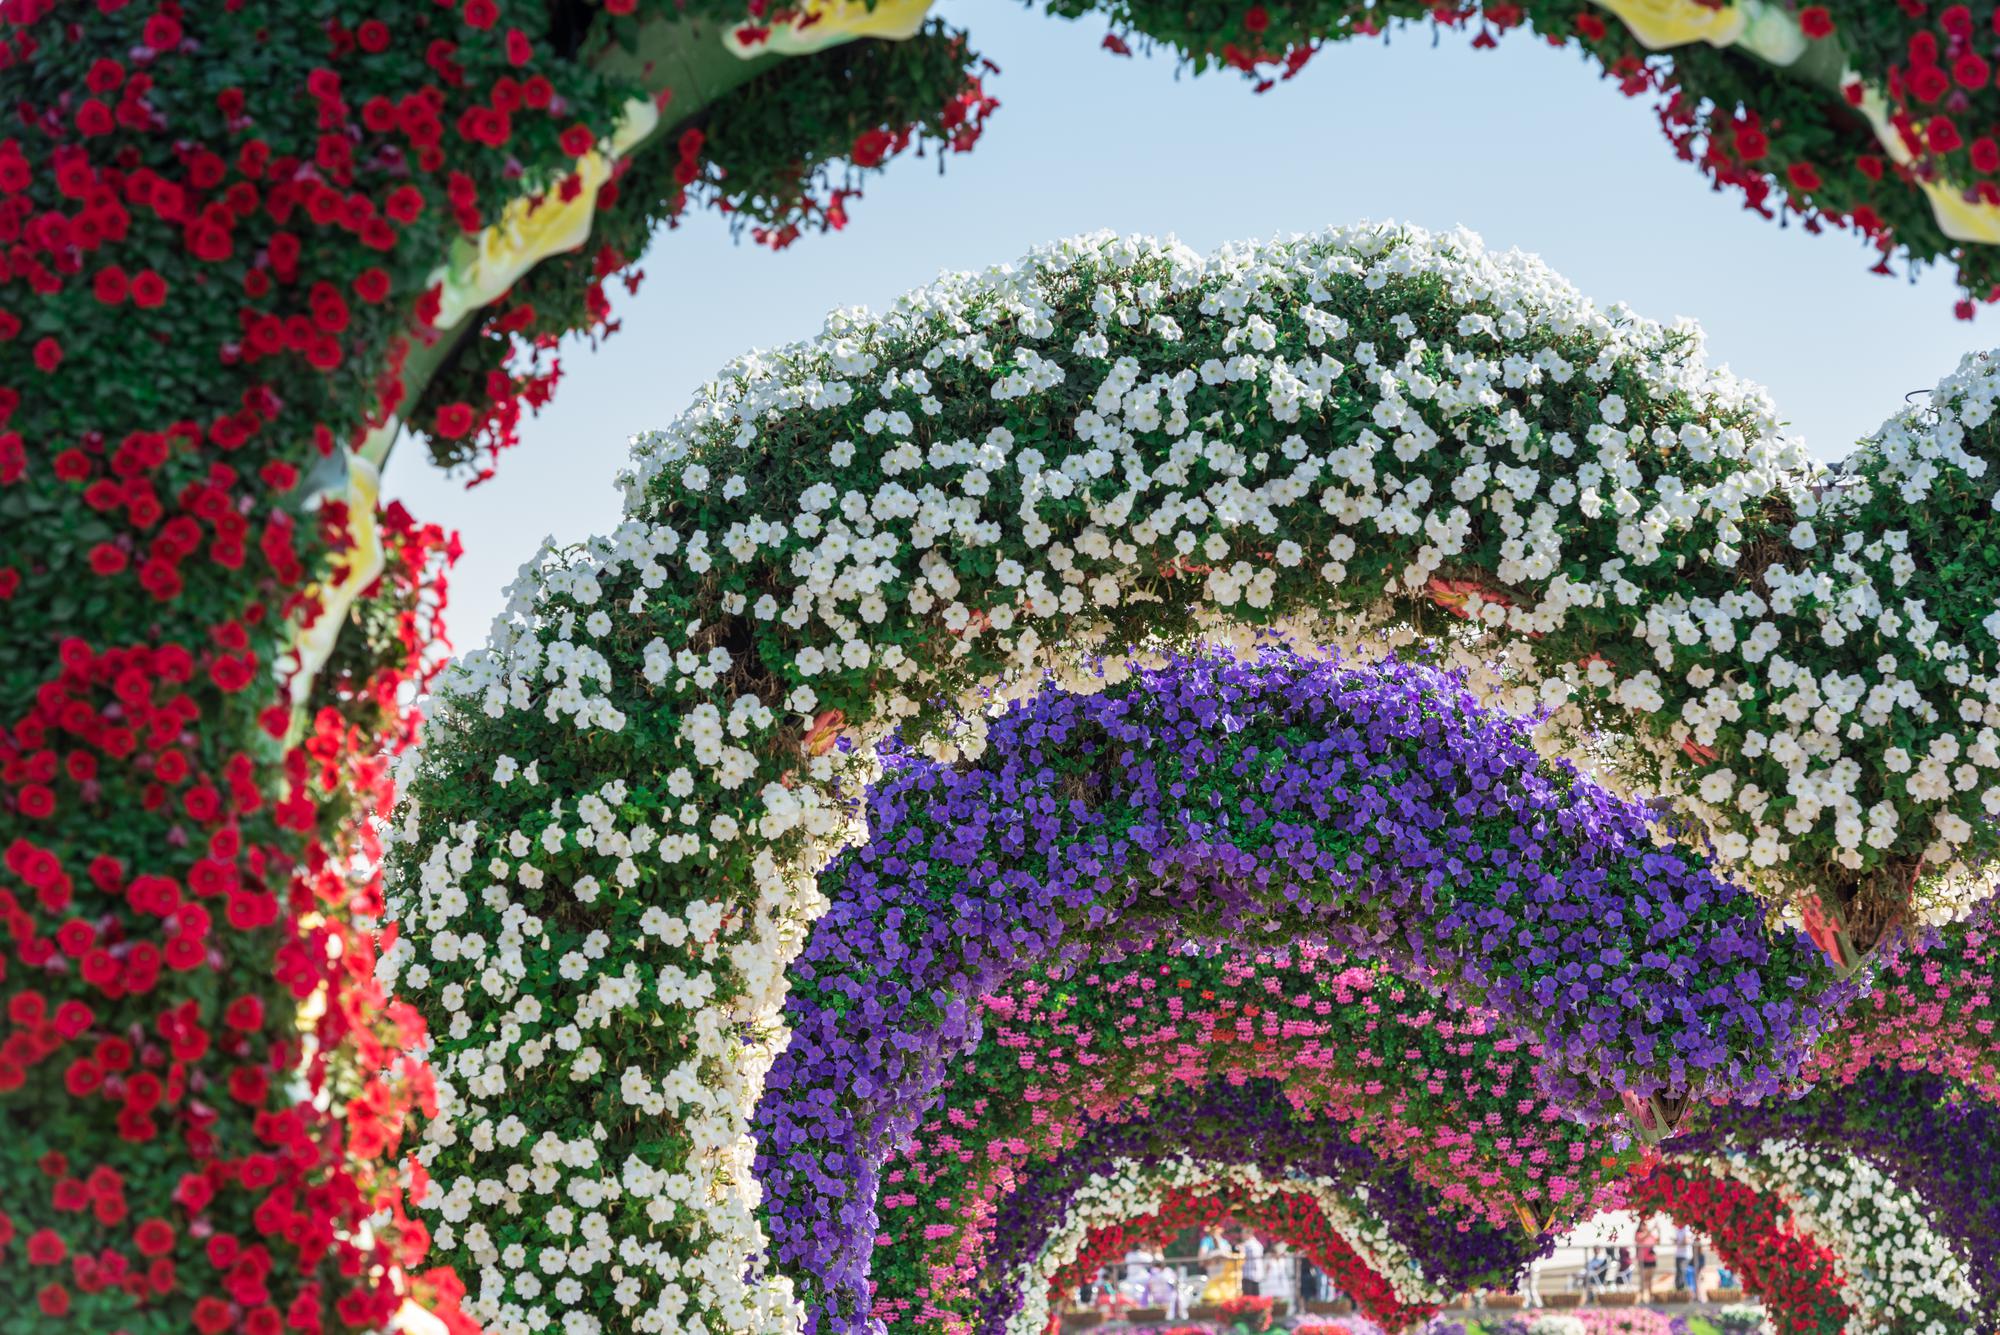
(1229, 1262)
(1638, 1265)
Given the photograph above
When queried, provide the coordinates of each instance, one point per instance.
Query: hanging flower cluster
(1934, 1007)
(1863, 115)
(1798, 1279)
(1117, 443)
(1149, 1204)
(1902, 1278)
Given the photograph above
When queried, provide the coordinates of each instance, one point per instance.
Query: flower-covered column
(231, 236)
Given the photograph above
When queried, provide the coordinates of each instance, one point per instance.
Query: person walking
(1222, 1265)
(1645, 1243)
(1683, 1258)
(1281, 1276)
(1253, 1264)
(1531, 1287)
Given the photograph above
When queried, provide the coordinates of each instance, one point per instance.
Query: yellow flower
(1660, 24)
(362, 562)
(819, 24)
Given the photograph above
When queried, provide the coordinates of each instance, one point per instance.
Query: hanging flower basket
(1654, 1117)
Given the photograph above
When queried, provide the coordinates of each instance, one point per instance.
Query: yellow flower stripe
(818, 24)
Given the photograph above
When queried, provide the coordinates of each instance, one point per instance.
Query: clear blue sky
(1525, 145)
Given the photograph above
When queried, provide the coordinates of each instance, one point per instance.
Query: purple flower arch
(1383, 808)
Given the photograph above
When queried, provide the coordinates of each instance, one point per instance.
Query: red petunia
(454, 420)
(1803, 176)
(163, 32)
(149, 290)
(48, 355)
(154, 1237)
(46, 1248)
(871, 147)
(1815, 22)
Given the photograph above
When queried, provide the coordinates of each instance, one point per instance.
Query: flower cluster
(1933, 1008)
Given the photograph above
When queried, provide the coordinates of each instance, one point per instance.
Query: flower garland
(1902, 1277)
(1798, 1279)
(686, 693)
(1879, 118)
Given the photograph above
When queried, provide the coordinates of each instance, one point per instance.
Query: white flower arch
(608, 845)
(1903, 1277)
(1133, 1189)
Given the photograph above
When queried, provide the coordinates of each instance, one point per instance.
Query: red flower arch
(1292, 1217)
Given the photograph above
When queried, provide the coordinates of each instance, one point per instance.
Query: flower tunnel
(1378, 809)
(248, 255)
(1003, 490)
(1292, 1213)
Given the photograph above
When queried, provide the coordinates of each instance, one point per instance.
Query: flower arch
(1901, 1164)
(263, 289)
(1799, 1280)
(1902, 1276)
(1381, 808)
(1445, 1090)
(1397, 1078)
(1420, 1245)
(1037, 478)
(1319, 1223)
